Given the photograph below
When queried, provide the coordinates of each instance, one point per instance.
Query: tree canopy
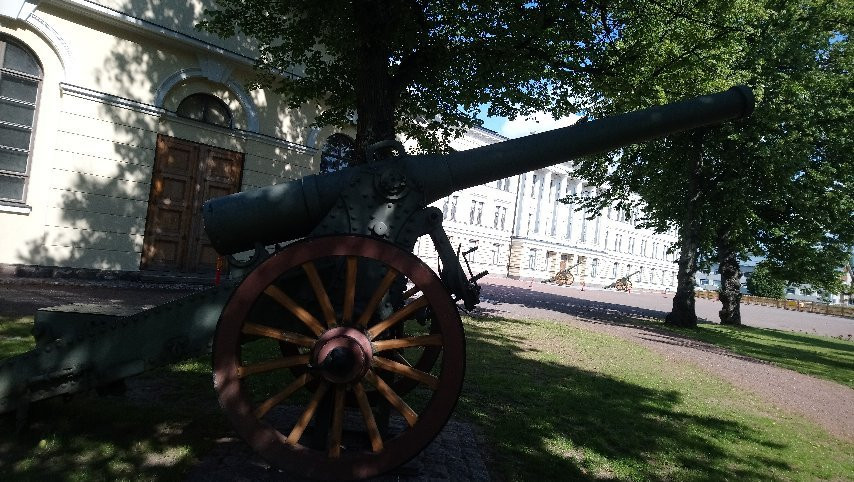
(762, 283)
(420, 69)
(778, 184)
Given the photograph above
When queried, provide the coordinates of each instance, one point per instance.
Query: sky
(523, 126)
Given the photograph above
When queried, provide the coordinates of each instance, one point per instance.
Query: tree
(418, 69)
(762, 283)
(777, 184)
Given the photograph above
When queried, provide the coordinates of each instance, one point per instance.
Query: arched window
(338, 153)
(20, 80)
(205, 108)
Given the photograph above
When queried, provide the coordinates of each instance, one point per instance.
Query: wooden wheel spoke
(349, 290)
(413, 341)
(301, 313)
(266, 331)
(337, 423)
(281, 396)
(397, 317)
(381, 290)
(284, 362)
(302, 423)
(407, 371)
(368, 416)
(398, 403)
(320, 293)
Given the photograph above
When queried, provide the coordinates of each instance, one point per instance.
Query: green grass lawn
(554, 403)
(819, 356)
(562, 403)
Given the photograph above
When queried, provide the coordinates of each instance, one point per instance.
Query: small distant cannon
(340, 355)
(563, 277)
(622, 284)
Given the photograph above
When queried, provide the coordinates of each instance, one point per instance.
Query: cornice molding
(125, 20)
(111, 99)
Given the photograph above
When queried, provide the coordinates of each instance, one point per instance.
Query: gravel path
(828, 404)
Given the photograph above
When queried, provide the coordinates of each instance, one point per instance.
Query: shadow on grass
(813, 355)
(550, 421)
(162, 425)
(822, 357)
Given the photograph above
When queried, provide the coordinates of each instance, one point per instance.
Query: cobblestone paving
(455, 455)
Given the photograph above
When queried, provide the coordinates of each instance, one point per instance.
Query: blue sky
(523, 126)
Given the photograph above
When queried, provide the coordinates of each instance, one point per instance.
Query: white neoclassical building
(522, 230)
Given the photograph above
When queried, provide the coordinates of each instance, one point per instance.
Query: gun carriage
(563, 277)
(622, 284)
(341, 355)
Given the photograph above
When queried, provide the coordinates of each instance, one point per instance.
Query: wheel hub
(342, 355)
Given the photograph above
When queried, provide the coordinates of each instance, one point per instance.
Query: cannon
(336, 353)
(563, 277)
(622, 284)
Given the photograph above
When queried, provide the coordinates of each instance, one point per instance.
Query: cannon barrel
(465, 169)
(291, 210)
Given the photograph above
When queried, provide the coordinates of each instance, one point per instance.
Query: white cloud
(532, 124)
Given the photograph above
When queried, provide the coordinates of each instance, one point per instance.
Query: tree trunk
(683, 312)
(730, 292)
(376, 98)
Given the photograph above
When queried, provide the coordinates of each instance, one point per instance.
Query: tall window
(454, 208)
(338, 153)
(205, 108)
(532, 259)
(594, 267)
(20, 79)
(503, 217)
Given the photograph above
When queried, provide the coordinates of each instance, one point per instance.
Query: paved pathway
(572, 300)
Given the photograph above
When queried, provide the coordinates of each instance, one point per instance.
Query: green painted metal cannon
(622, 284)
(340, 355)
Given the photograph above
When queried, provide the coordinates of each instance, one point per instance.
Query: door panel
(186, 174)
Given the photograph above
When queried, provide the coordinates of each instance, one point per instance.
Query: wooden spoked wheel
(623, 285)
(564, 278)
(319, 406)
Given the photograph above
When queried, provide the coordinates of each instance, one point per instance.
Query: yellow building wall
(96, 131)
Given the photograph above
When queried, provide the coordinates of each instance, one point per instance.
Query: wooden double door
(186, 174)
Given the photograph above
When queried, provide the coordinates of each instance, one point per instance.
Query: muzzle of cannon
(340, 355)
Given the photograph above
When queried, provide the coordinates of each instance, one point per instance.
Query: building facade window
(20, 84)
(594, 267)
(338, 152)
(205, 108)
(454, 207)
(503, 217)
(479, 218)
(532, 259)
